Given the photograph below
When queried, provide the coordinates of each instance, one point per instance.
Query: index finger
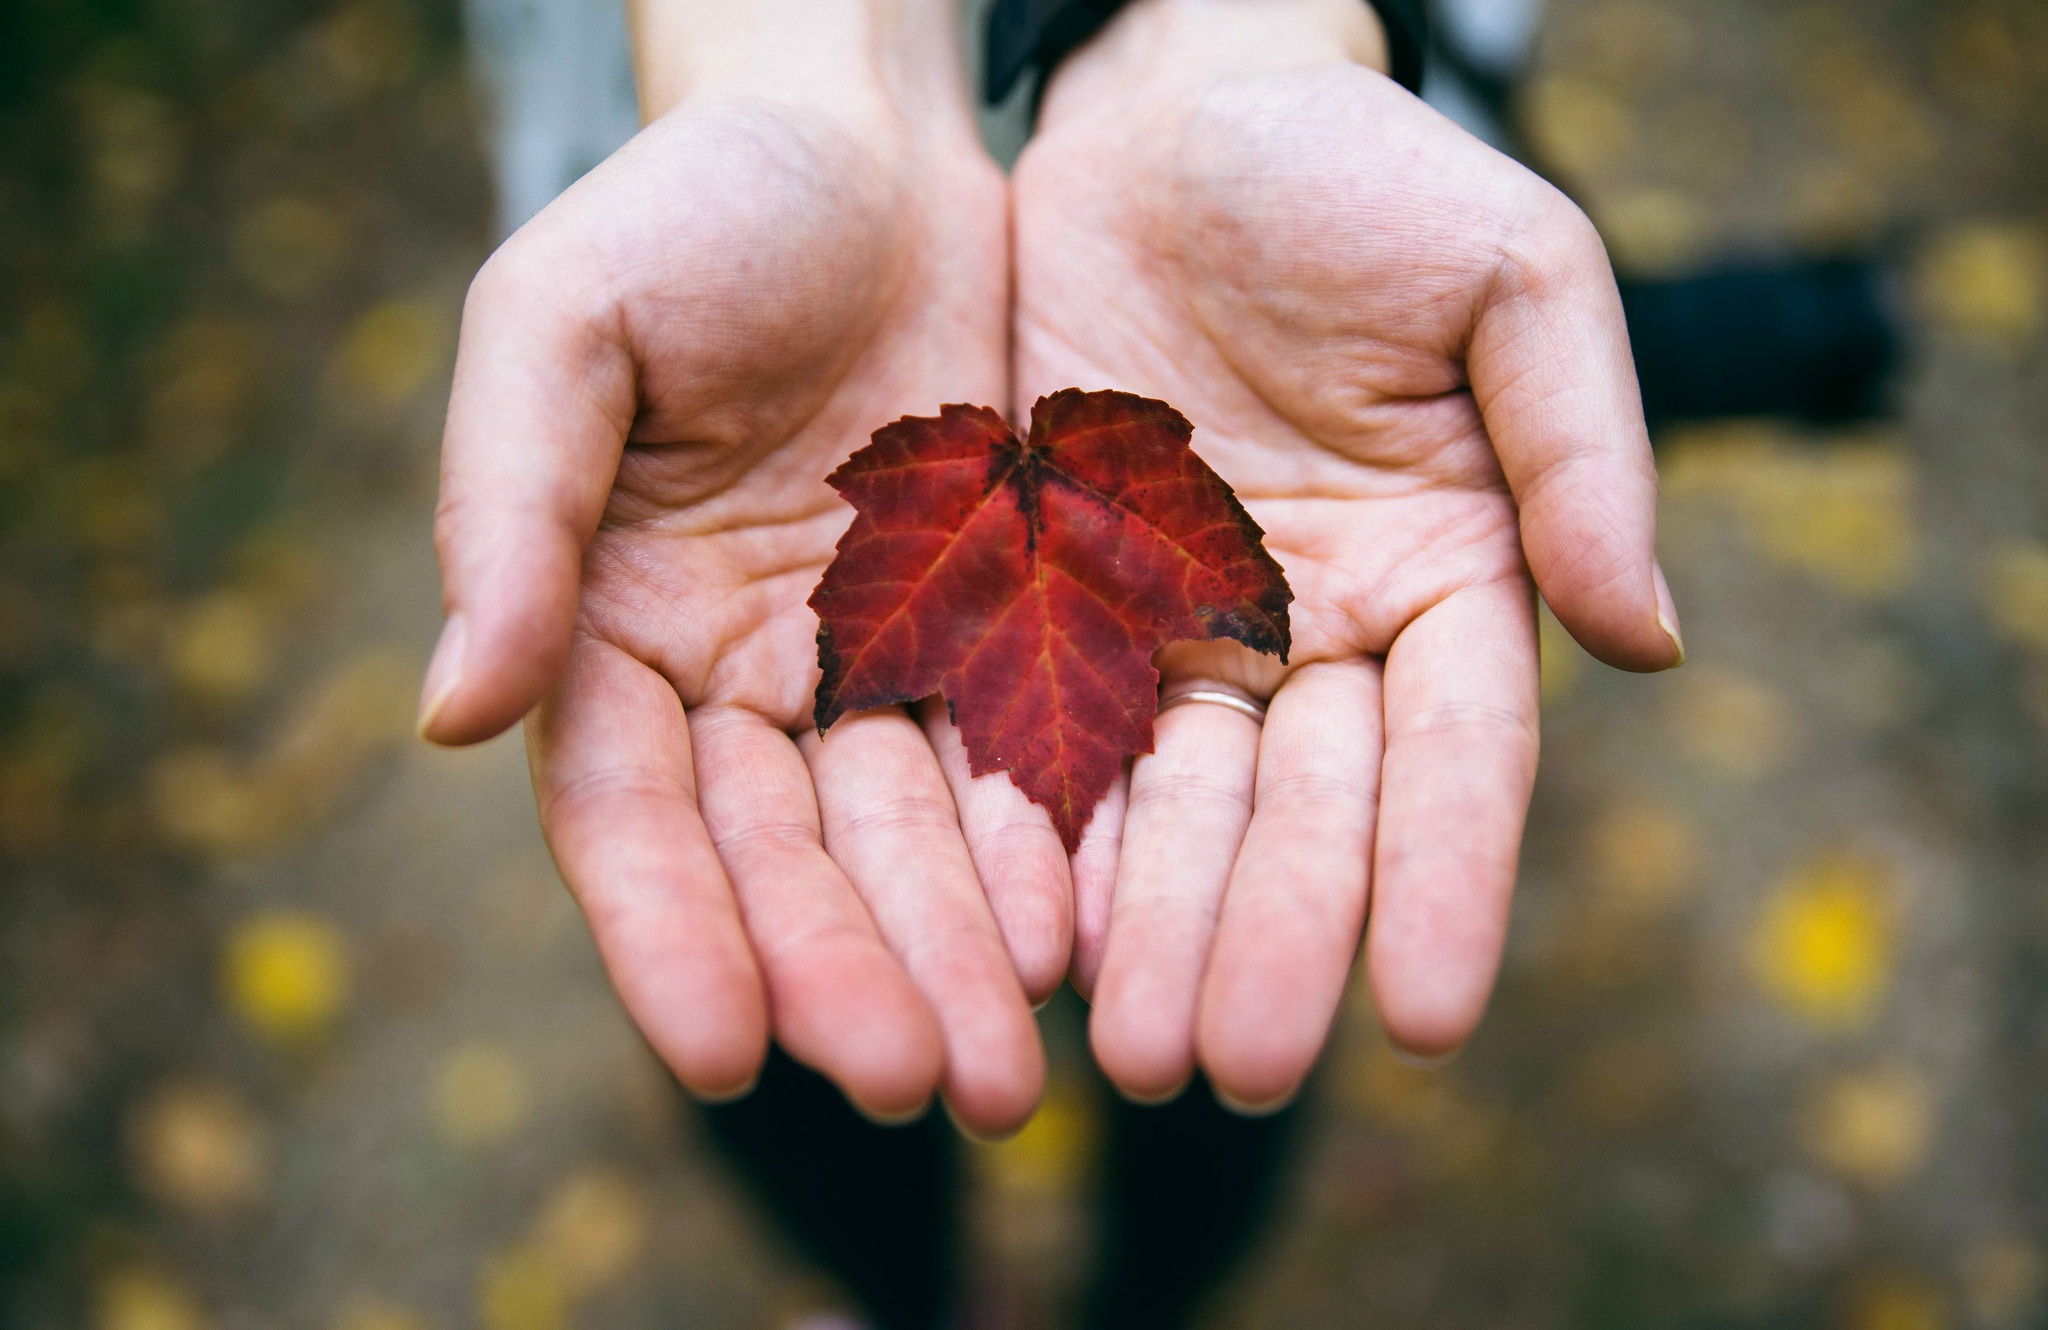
(1461, 735)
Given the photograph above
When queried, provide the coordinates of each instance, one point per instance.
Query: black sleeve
(1038, 34)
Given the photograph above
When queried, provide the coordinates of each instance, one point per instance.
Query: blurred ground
(299, 1030)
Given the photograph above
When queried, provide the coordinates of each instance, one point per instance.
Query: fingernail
(1154, 1100)
(444, 672)
(1667, 615)
(881, 1119)
(1249, 1110)
(1426, 1061)
(983, 1137)
(716, 1097)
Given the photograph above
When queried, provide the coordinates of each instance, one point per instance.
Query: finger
(617, 791)
(1189, 802)
(842, 1004)
(1550, 369)
(537, 418)
(1018, 857)
(890, 824)
(1094, 870)
(1461, 759)
(1295, 908)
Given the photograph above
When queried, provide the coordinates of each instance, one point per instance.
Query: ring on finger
(1222, 695)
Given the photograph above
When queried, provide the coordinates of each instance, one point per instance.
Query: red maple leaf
(1031, 581)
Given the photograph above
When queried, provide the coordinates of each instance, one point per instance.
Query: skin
(1407, 355)
(654, 377)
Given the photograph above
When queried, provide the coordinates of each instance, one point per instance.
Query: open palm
(654, 379)
(1407, 356)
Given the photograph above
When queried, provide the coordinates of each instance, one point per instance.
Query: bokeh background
(298, 1029)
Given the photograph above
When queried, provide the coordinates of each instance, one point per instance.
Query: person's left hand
(1407, 355)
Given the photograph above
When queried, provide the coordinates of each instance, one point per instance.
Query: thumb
(1550, 369)
(537, 418)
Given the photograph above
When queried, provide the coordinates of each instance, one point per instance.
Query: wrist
(855, 59)
(1189, 41)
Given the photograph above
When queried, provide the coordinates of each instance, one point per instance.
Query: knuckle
(814, 945)
(1482, 721)
(1021, 853)
(1318, 789)
(946, 941)
(915, 815)
(540, 275)
(1186, 788)
(1552, 244)
(764, 839)
(566, 798)
(496, 279)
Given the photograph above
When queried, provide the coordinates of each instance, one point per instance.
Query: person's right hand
(655, 376)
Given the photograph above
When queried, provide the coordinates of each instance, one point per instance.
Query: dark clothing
(1186, 1187)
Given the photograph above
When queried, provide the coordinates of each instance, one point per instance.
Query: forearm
(1164, 39)
(892, 58)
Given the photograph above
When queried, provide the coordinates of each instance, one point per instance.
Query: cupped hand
(654, 378)
(1407, 354)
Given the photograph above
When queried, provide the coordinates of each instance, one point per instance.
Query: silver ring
(1243, 706)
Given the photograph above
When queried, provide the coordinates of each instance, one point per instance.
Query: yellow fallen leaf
(1645, 855)
(134, 145)
(2002, 1277)
(1654, 231)
(1986, 279)
(1578, 126)
(593, 1228)
(1624, 1080)
(2016, 592)
(366, 48)
(1873, 1127)
(197, 1147)
(289, 246)
(221, 648)
(141, 1298)
(1627, 45)
(1834, 205)
(1732, 724)
(1703, 142)
(1051, 1154)
(1841, 512)
(379, 1315)
(279, 568)
(1823, 944)
(1460, 1136)
(201, 802)
(286, 974)
(207, 801)
(1562, 660)
(522, 1290)
(1897, 1301)
(480, 1095)
(204, 382)
(41, 765)
(394, 349)
(110, 506)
